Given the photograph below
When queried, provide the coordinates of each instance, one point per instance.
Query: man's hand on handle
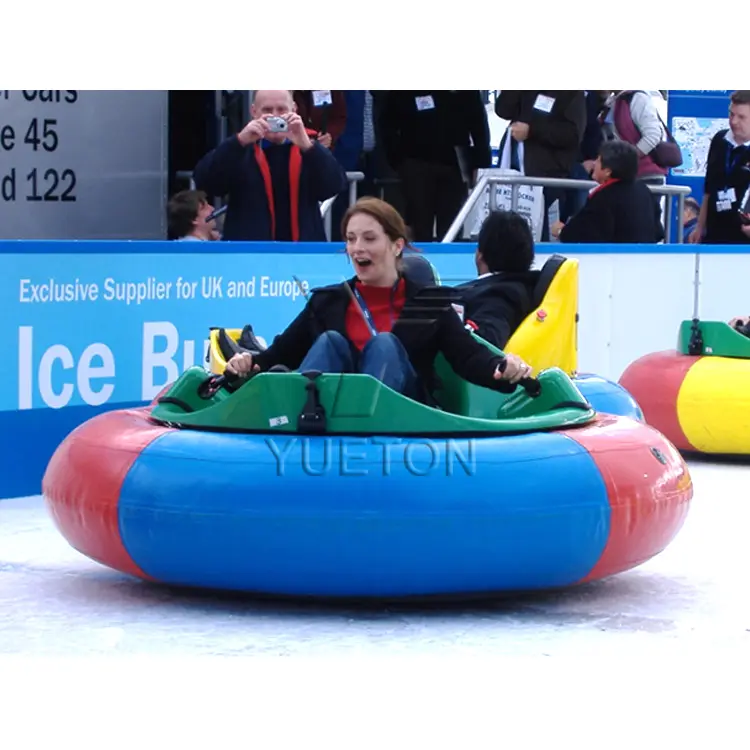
(515, 369)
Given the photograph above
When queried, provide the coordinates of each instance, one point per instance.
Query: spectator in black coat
(621, 209)
(435, 141)
(275, 180)
(500, 298)
(550, 124)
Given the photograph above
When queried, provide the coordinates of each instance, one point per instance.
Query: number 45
(48, 132)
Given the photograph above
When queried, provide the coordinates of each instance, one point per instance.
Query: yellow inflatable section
(548, 336)
(713, 405)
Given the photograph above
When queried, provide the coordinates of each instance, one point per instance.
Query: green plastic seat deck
(362, 405)
(719, 339)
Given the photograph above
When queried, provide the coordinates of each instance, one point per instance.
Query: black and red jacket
(616, 212)
(274, 191)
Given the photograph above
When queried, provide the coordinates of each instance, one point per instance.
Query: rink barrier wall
(133, 315)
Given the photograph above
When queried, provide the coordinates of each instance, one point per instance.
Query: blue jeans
(383, 357)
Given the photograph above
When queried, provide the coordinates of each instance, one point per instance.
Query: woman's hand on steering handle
(241, 365)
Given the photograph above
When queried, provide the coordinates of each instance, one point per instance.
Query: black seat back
(229, 347)
(249, 341)
(546, 275)
(419, 270)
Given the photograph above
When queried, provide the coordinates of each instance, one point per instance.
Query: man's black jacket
(497, 304)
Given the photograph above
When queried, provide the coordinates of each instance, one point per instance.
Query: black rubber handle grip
(532, 385)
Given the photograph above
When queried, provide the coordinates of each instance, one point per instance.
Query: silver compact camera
(277, 124)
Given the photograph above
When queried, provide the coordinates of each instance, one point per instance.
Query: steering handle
(214, 383)
(531, 385)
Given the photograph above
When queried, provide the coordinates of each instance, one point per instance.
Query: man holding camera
(274, 173)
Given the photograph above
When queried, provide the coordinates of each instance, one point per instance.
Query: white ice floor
(54, 601)
(691, 600)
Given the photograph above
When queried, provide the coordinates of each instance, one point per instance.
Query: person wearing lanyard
(723, 218)
(382, 323)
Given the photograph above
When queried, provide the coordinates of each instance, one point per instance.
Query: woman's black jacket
(428, 324)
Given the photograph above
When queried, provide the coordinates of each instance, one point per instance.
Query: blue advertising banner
(694, 117)
(94, 326)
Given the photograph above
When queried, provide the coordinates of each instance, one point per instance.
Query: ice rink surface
(54, 601)
(688, 605)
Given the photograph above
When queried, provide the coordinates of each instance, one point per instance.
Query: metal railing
(516, 181)
(187, 176)
(327, 205)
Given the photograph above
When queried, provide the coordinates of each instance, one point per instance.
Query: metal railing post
(668, 221)
(326, 206)
(681, 216)
(186, 175)
(463, 214)
(493, 199)
(328, 223)
(353, 178)
(325, 212)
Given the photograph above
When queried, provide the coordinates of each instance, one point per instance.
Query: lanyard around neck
(734, 155)
(366, 310)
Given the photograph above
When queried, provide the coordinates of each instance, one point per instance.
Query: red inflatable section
(645, 516)
(87, 471)
(654, 381)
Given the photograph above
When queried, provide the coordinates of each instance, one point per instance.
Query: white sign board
(83, 164)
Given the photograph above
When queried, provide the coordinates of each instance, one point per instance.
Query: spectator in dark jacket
(435, 141)
(274, 180)
(593, 137)
(324, 112)
(724, 211)
(550, 124)
(621, 208)
(358, 150)
(500, 298)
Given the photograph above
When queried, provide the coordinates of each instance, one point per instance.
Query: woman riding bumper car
(382, 323)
